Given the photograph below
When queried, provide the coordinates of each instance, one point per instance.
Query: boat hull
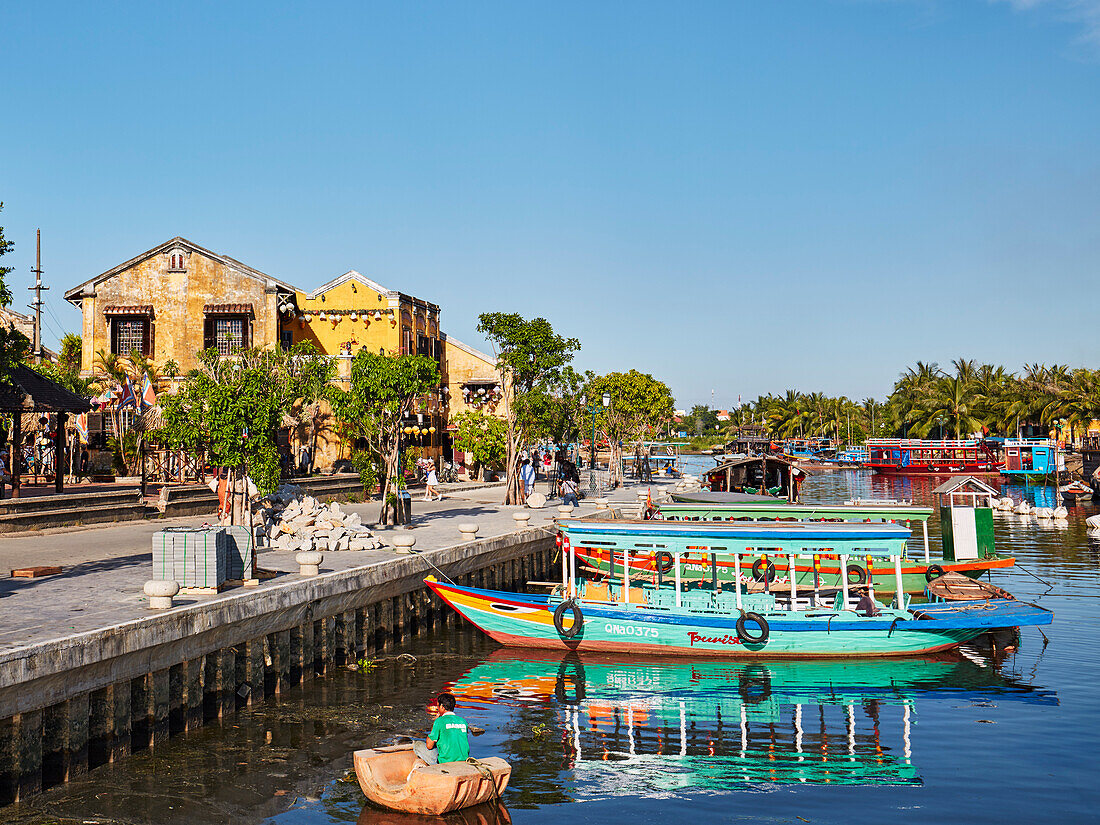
(914, 573)
(977, 469)
(387, 778)
(519, 620)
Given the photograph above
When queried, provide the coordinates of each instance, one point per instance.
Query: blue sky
(737, 196)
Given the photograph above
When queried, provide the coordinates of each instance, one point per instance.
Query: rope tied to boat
(487, 772)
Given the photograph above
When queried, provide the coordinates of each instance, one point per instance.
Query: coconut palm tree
(951, 402)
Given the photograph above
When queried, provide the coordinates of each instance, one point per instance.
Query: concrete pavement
(105, 567)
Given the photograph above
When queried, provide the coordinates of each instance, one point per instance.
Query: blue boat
(1029, 458)
(754, 616)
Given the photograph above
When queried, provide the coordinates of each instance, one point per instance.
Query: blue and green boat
(704, 615)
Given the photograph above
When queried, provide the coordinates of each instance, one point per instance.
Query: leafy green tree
(383, 391)
(640, 407)
(13, 344)
(483, 437)
(232, 408)
(531, 358)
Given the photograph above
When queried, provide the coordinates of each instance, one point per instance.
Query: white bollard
(602, 504)
(160, 593)
(522, 519)
(565, 510)
(468, 530)
(309, 562)
(403, 542)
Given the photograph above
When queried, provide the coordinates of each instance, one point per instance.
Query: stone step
(69, 516)
(67, 501)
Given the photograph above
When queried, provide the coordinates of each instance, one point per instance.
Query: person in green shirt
(450, 733)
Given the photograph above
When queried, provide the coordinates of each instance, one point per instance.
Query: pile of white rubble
(688, 483)
(295, 522)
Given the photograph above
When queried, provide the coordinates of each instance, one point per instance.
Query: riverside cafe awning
(24, 391)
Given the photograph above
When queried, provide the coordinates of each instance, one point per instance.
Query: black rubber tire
(933, 572)
(559, 623)
(570, 662)
(664, 561)
(757, 575)
(761, 623)
(861, 574)
(755, 685)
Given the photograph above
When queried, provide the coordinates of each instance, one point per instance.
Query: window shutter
(114, 335)
(147, 338)
(246, 335)
(208, 333)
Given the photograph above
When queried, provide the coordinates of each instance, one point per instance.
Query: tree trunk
(513, 494)
(391, 484)
(614, 463)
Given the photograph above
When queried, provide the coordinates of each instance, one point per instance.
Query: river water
(976, 736)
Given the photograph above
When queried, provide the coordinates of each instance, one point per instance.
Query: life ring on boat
(664, 561)
(559, 619)
(755, 685)
(577, 678)
(761, 623)
(933, 572)
(758, 575)
(857, 571)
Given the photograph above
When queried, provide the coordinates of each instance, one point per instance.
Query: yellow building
(352, 312)
(178, 298)
(471, 382)
(174, 300)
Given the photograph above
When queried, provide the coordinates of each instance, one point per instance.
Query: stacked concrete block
(241, 545)
(193, 557)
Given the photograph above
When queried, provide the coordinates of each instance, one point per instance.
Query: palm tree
(951, 402)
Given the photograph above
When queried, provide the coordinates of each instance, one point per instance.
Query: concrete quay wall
(73, 703)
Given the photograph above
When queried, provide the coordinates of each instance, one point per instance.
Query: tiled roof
(131, 309)
(228, 309)
(27, 391)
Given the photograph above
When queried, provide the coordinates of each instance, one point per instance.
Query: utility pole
(37, 305)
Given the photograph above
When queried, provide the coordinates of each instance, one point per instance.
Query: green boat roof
(760, 511)
(728, 538)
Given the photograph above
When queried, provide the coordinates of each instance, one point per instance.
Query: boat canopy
(761, 511)
(741, 538)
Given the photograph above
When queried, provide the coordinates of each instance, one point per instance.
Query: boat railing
(667, 548)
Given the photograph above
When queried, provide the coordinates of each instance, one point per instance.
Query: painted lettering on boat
(630, 630)
(713, 640)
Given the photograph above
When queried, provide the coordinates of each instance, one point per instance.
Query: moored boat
(953, 587)
(395, 778)
(915, 573)
(915, 456)
(705, 616)
(1074, 491)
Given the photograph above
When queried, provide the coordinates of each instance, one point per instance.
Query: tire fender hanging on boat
(559, 619)
(933, 572)
(758, 575)
(859, 573)
(759, 638)
(664, 561)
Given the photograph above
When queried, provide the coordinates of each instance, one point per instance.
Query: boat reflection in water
(490, 813)
(651, 727)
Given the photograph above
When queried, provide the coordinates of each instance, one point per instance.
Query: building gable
(177, 251)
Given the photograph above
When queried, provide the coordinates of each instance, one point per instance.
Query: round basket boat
(395, 778)
(955, 587)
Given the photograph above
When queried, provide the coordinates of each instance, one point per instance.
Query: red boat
(915, 456)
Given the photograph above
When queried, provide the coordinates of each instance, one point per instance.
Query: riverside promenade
(105, 567)
(89, 673)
